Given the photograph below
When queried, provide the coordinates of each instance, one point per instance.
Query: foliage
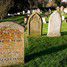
(4, 7)
(58, 2)
(51, 4)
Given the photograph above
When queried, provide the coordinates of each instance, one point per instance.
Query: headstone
(61, 8)
(8, 14)
(34, 25)
(43, 19)
(63, 18)
(54, 25)
(38, 10)
(11, 44)
(23, 12)
(65, 10)
(25, 20)
(49, 11)
(18, 13)
(64, 1)
(28, 12)
(15, 14)
(33, 11)
(58, 9)
(50, 0)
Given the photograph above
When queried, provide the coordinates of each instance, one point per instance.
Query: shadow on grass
(44, 34)
(44, 52)
(63, 62)
(63, 33)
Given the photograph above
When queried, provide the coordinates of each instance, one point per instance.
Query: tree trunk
(4, 7)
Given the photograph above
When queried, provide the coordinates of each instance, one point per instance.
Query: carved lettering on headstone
(11, 44)
(34, 25)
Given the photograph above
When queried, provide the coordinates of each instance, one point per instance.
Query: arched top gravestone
(11, 44)
(54, 25)
(34, 25)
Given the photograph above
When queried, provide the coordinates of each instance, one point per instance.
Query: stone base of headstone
(53, 35)
(34, 35)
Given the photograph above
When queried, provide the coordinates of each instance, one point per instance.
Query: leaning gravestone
(11, 44)
(54, 25)
(34, 25)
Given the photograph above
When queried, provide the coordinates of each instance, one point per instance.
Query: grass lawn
(17, 19)
(43, 51)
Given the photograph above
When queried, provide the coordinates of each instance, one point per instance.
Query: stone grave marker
(11, 44)
(23, 12)
(34, 25)
(61, 8)
(54, 25)
(33, 11)
(65, 10)
(63, 18)
(58, 8)
(25, 19)
(44, 20)
(28, 12)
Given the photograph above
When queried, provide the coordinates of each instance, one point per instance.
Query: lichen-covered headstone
(54, 25)
(11, 44)
(34, 25)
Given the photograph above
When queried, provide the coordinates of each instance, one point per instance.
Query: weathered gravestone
(34, 25)
(61, 8)
(11, 44)
(54, 25)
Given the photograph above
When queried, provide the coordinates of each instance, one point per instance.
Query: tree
(4, 7)
(33, 3)
(51, 4)
(58, 2)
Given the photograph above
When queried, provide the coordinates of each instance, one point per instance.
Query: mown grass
(42, 51)
(17, 19)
